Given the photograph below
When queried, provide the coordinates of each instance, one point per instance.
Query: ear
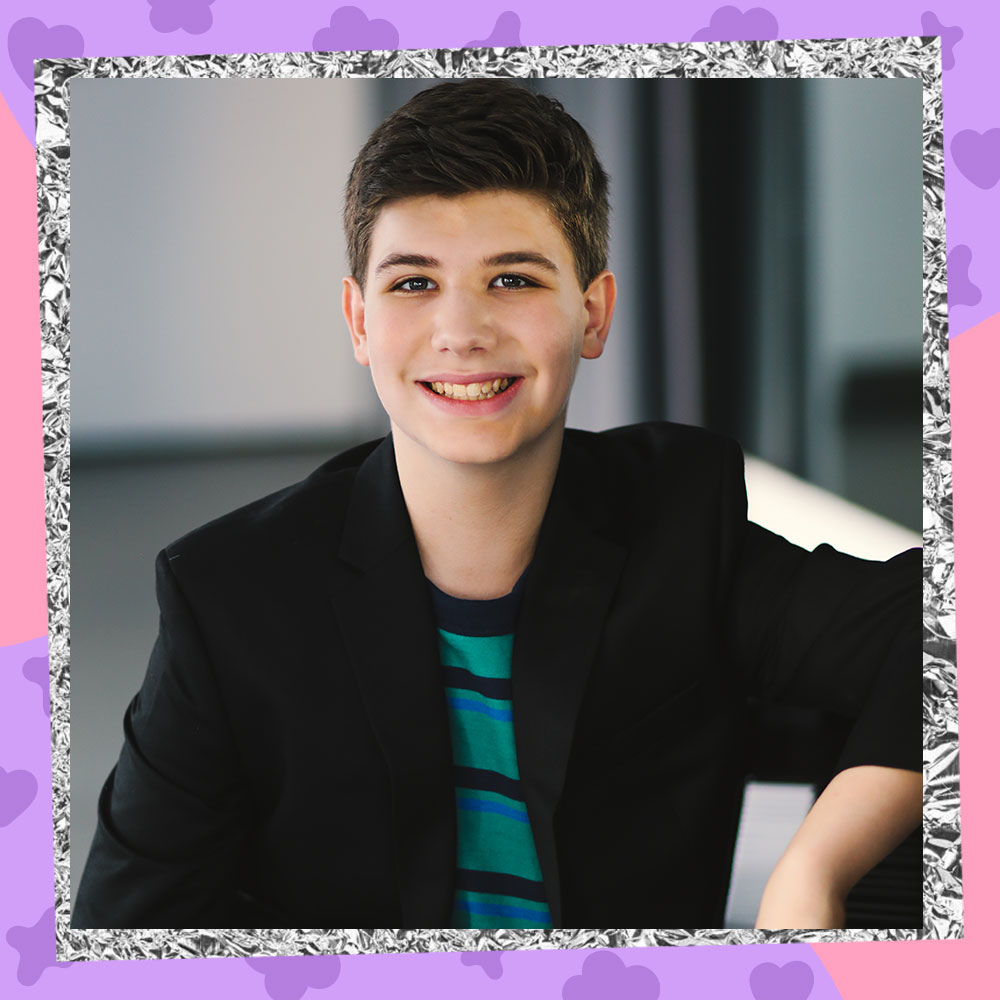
(353, 304)
(599, 301)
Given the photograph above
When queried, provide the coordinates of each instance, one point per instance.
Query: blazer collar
(377, 522)
(383, 608)
(568, 593)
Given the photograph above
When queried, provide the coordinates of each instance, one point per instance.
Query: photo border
(842, 58)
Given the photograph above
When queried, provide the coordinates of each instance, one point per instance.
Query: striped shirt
(499, 881)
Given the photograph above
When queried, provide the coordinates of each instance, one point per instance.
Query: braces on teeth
(472, 391)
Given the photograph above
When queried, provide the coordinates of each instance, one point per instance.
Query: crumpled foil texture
(917, 58)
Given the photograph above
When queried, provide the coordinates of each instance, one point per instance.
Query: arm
(826, 630)
(170, 815)
(861, 816)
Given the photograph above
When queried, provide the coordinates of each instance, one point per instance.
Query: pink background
(855, 971)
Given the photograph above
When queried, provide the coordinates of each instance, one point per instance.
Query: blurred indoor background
(766, 236)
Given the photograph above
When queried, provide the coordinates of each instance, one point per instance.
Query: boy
(488, 672)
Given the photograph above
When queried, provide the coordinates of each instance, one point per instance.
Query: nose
(462, 324)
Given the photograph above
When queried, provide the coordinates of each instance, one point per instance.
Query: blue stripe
(481, 805)
(468, 705)
(501, 910)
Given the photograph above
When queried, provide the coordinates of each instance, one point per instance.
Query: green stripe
(488, 842)
(485, 656)
(479, 741)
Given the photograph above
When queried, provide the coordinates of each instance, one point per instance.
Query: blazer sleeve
(169, 818)
(826, 630)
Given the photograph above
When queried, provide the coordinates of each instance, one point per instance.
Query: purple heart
(793, 981)
(17, 791)
(506, 33)
(192, 16)
(36, 670)
(978, 156)
(729, 24)
(36, 948)
(489, 960)
(605, 975)
(30, 39)
(961, 290)
(350, 29)
(289, 978)
(930, 25)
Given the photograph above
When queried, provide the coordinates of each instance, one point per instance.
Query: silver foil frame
(875, 58)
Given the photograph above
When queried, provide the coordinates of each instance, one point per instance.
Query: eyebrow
(521, 257)
(406, 260)
(509, 257)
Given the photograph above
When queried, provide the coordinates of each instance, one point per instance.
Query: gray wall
(206, 262)
(863, 285)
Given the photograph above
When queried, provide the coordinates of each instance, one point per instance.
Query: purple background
(35, 28)
(39, 28)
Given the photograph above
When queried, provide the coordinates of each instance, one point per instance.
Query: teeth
(473, 391)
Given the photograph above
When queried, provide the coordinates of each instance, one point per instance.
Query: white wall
(206, 227)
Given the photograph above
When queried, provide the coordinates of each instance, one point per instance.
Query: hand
(861, 816)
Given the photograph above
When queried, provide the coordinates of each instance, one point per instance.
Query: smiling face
(472, 321)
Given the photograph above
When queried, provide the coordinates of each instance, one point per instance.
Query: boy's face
(463, 296)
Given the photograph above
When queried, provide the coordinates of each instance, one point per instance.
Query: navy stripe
(466, 680)
(500, 885)
(488, 781)
(477, 618)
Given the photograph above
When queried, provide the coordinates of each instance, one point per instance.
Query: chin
(472, 453)
(483, 445)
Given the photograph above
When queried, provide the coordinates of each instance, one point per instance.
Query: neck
(476, 525)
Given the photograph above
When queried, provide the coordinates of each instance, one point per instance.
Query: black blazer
(287, 760)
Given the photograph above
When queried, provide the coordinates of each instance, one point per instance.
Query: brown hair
(482, 135)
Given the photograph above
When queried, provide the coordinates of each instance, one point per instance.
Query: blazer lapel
(383, 608)
(567, 595)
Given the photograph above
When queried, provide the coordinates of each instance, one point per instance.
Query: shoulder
(309, 511)
(656, 449)
(654, 476)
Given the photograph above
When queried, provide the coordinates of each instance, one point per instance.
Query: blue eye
(512, 281)
(413, 285)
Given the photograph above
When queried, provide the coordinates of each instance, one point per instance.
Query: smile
(470, 391)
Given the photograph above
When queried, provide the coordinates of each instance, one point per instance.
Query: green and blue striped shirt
(498, 881)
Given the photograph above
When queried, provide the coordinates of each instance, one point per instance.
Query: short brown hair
(482, 135)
